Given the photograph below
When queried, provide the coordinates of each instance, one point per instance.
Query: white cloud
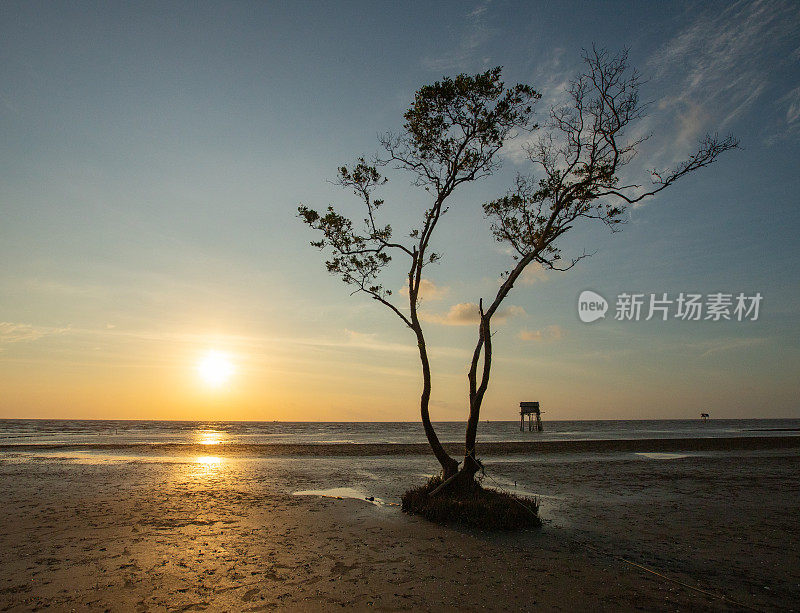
(792, 99)
(359, 338)
(428, 290)
(690, 123)
(373, 342)
(790, 116)
(462, 314)
(712, 73)
(722, 345)
(551, 78)
(467, 314)
(721, 65)
(549, 333)
(475, 34)
(480, 9)
(17, 333)
(533, 273)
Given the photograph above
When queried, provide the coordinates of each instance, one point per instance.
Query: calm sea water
(93, 432)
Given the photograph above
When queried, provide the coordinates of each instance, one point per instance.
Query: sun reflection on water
(209, 437)
(209, 460)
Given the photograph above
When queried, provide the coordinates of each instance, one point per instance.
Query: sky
(153, 156)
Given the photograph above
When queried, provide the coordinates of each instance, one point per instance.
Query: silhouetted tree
(451, 136)
(579, 156)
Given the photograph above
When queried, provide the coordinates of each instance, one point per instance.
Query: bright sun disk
(215, 368)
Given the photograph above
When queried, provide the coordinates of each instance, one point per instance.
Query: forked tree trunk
(449, 465)
(477, 391)
(464, 479)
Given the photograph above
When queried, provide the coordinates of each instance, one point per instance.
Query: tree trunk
(449, 465)
(477, 391)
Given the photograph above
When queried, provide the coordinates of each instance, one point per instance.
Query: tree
(580, 153)
(451, 136)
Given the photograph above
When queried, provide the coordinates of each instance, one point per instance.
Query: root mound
(476, 507)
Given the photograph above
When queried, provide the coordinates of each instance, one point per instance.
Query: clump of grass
(476, 507)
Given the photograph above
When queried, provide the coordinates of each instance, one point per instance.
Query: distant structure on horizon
(530, 409)
(704, 416)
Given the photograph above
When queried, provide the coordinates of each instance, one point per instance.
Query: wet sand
(225, 533)
(268, 450)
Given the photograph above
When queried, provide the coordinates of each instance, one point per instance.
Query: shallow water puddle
(656, 455)
(345, 492)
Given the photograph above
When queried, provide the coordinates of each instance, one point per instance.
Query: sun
(215, 368)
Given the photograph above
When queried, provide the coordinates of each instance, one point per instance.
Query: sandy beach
(288, 286)
(226, 533)
(269, 450)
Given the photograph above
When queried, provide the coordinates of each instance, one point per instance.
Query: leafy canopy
(450, 136)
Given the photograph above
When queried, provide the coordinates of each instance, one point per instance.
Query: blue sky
(153, 156)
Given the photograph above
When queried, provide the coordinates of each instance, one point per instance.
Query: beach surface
(270, 450)
(139, 532)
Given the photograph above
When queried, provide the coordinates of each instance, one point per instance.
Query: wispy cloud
(534, 273)
(146, 348)
(18, 333)
(474, 34)
(467, 314)
(722, 64)
(726, 344)
(369, 341)
(710, 75)
(791, 103)
(548, 333)
(428, 291)
(551, 78)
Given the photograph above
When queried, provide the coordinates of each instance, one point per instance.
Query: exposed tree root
(467, 503)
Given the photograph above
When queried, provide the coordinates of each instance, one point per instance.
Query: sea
(57, 432)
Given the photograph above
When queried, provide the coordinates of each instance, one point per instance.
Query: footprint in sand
(250, 594)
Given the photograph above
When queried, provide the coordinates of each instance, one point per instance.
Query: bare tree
(451, 136)
(580, 155)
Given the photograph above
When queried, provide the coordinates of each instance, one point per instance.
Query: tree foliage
(451, 136)
(580, 157)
